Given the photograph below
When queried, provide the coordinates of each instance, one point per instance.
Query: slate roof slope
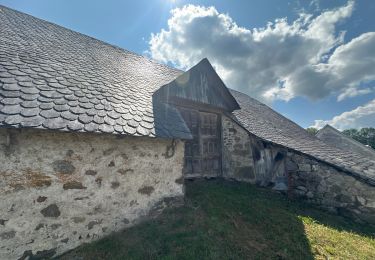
(269, 125)
(55, 78)
(334, 137)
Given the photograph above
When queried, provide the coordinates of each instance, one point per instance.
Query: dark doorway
(202, 153)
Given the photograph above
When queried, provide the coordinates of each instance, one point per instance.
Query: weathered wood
(203, 152)
(202, 85)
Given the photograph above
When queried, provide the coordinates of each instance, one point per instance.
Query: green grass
(230, 220)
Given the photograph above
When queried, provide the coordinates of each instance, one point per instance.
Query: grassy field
(230, 220)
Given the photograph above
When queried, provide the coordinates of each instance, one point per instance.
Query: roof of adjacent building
(269, 125)
(55, 78)
(334, 137)
(58, 79)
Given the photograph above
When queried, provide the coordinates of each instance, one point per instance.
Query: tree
(312, 130)
(365, 135)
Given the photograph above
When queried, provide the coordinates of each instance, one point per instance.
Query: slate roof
(55, 78)
(269, 125)
(334, 137)
(58, 79)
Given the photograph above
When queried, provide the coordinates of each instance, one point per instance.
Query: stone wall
(332, 189)
(59, 190)
(247, 158)
(237, 158)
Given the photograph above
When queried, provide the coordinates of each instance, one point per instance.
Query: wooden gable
(199, 86)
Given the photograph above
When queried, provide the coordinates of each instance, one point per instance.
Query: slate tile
(32, 121)
(30, 104)
(71, 98)
(13, 119)
(77, 110)
(29, 90)
(101, 113)
(8, 80)
(91, 127)
(51, 94)
(132, 123)
(98, 119)
(8, 93)
(91, 112)
(11, 86)
(49, 114)
(142, 131)
(75, 125)
(11, 109)
(86, 105)
(69, 116)
(119, 129)
(56, 85)
(55, 123)
(5, 74)
(61, 108)
(46, 106)
(99, 107)
(126, 116)
(109, 121)
(30, 112)
(114, 115)
(11, 101)
(85, 119)
(106, 128)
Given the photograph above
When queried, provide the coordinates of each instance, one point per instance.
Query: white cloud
(306, 57)
(315, 4)
(353, 92)
(362, 116)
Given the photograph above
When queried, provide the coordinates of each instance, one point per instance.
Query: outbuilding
(93, 138)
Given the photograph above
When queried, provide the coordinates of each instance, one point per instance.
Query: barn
(93, 138)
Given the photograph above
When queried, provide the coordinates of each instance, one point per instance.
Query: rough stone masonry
(247, 158)
(58, 190)
(330, 188)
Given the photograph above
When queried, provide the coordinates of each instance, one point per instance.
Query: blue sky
(235, 50)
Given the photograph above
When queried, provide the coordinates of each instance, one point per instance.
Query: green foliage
(365, 135)
(231, 220)
(312, 130)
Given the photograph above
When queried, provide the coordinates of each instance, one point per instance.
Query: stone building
(93, 138)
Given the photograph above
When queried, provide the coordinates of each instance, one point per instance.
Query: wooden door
(202, 153)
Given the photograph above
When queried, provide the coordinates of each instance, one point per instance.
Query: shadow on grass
(220, 220)
(331, 220)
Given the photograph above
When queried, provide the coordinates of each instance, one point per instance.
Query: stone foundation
(59, 190)
(332, 189)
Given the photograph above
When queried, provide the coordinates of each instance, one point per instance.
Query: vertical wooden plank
(203, 153)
